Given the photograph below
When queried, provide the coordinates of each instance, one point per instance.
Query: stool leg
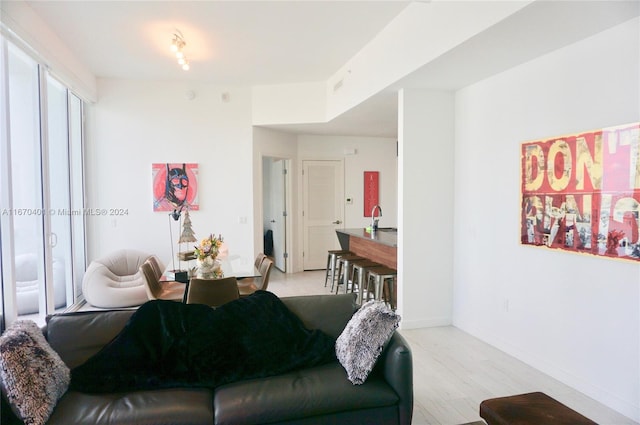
(353, 282)
(392, 290)
(387, 285)
(378, 288)
(346, 266)
(340, 264)
(333, 271)
(345, 276)
(326, 275)
(361, 274)
(384, 292)
(354, 270)
(356, 280)
(368, 286)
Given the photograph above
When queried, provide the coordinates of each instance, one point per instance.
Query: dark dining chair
(212, 292)
(251, 285)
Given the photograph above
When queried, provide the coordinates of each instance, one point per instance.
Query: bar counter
(381, 246)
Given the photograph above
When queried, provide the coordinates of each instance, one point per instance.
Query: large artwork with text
(581, 193)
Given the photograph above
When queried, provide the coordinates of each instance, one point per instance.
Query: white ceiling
(246, 43)
(228, 42)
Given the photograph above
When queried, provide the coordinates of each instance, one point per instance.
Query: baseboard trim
(431, 322)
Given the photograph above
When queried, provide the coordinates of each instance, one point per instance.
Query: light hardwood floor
(454, 372)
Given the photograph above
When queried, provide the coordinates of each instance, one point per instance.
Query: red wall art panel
(175, 186)
(581, 192)
(371, 189)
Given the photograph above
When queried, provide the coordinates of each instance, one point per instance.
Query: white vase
(209, 268)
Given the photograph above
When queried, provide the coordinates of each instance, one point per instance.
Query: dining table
(229, 264)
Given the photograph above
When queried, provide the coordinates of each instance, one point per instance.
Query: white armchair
(115, 280)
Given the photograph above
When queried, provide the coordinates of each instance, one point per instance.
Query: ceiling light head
(177, 44)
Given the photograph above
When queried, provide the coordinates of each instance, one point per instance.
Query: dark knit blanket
(168, 344)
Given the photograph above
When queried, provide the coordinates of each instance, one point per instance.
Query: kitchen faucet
(374, 220)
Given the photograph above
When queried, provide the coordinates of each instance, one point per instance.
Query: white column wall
(425, 198)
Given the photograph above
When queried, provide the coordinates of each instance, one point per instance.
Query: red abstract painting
(175, 186)
(371, 191)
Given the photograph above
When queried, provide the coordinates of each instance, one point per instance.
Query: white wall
(289, 103)
(371, 154)
(138, 123)
(30, 32)
(573, 317)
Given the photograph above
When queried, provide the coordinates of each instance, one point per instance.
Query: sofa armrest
(397, 367)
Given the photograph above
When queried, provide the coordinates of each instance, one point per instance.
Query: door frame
(291, 253)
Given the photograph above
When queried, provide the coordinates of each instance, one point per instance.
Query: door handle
(337, 222)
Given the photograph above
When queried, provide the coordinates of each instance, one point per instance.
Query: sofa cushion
(33, 376)
(78, 336)
(329, 314)
(301, 394)
(360, 344)
(180, 406)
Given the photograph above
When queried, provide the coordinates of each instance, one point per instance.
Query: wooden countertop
(384, 235)
(381, 246)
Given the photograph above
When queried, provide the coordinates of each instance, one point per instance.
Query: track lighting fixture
(177, 45)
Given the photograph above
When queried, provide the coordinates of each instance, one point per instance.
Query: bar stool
(361, 267)
(380, 275)
(332, 256)
(344, 270)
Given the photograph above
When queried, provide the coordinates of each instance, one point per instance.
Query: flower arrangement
(208, 248)
(206, 253)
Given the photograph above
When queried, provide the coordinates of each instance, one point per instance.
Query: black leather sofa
(317, 395)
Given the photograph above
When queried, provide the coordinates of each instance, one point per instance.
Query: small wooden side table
(530, 409)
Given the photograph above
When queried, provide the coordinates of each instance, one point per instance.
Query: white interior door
(323, 210)
(278, 213)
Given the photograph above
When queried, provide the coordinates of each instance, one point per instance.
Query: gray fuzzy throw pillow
(33, 376)
(362, 340)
